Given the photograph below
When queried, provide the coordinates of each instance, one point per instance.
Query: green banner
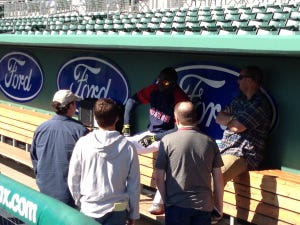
(33, 207)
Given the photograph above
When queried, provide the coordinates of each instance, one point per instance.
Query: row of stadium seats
(174, 21)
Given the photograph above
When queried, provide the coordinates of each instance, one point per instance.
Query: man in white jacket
(104, 176)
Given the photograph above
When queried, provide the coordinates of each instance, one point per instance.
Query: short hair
(169, 74)
(106, 112)
(255, 73)
(186, 113)
(59, 109)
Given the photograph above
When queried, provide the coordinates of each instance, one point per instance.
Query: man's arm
(218, 188)
(226, 119)
(160, 182)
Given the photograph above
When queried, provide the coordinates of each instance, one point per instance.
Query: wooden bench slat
(246, 215)
(20, 156)
(264, 196)
(270, 183)
(16, 130)
(19, 137)
(265, 209)
(18, 124)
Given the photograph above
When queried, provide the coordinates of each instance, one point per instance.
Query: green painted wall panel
(141, 68)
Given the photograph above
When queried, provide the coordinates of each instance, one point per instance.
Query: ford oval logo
(91, 77)
(211, 87)
(21, 78)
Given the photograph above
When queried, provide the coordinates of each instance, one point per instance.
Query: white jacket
(104, 170)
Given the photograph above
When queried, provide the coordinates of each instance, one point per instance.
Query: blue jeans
(113, 218)
(175, 215)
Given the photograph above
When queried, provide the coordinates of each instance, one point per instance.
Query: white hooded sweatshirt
(104, 171)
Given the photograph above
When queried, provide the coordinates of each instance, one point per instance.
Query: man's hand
(126, 130)
(147, 140)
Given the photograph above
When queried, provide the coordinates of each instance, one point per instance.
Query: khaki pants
(233, 166)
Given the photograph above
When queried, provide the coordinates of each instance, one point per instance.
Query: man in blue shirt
(52, 147)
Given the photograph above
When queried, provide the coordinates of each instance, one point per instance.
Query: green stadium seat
(193, 13)
(232, 16)
(277, 23)
(72, 29)
(274, 8)
(267, 30)
(208, 23)
(281, 15)
(179, 19)
(167, 19)
(220, 16)
(90, 29)
(292, 22)
(289, 7)
(231, 10)
(211, 30)
(247, 16)
(258, 22)
(288, 31)
(204, 17)
(245, 9)
(228, 30)
(155, 19)
(264, 16)
(246, 30)
(258, 9)
(191, 19)
(295, 15)
(164, 28)
(81, 29)
(224, 23)
(129, 27)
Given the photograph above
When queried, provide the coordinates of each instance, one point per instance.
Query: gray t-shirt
(188, 157)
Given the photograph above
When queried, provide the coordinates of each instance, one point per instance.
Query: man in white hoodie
(104, 176)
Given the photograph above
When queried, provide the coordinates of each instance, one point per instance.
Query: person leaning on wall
(104, 175)
(184, 170)
(248, 122)
(52, 147)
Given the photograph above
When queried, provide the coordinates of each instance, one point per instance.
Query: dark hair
(187, 116)
(60, 110)
(255, 73)
(169, 74)
(106, 112)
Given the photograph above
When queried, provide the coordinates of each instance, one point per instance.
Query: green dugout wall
(141, 59)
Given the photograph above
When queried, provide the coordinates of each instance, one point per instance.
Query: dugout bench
(264, 197)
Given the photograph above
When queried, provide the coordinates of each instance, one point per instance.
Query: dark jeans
(113, 218)
(175, 215)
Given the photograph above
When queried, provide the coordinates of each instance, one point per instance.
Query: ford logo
(91, 77)
(21, 78)
(211, 87)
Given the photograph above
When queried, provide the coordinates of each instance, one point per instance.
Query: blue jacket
(51, 150)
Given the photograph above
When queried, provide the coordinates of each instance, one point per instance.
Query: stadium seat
(277, 23)
(295, 15)
(258, 9)
(274, 8)
(239, 23)
(258, 22)
(293, 23)
(247, 16)
(288, 31)
(211, 30)
(246, 30)
(208, 23)
(264, 16)
(224, 23)
(232, 16)
(228, 30)
(167, 19)
(219, 16)
(178, 28)
(164, 28)
(267, 30)
(179, 19)
(281, 15)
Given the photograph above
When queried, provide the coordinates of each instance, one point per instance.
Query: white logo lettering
(195, 92)
(17, 80)
(81, 87)
(20, 205)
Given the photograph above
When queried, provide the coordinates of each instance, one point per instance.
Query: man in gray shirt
(187, 159)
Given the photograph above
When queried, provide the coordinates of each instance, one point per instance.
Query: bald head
(186, 114)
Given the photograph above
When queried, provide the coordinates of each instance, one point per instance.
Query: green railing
(33, 207)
